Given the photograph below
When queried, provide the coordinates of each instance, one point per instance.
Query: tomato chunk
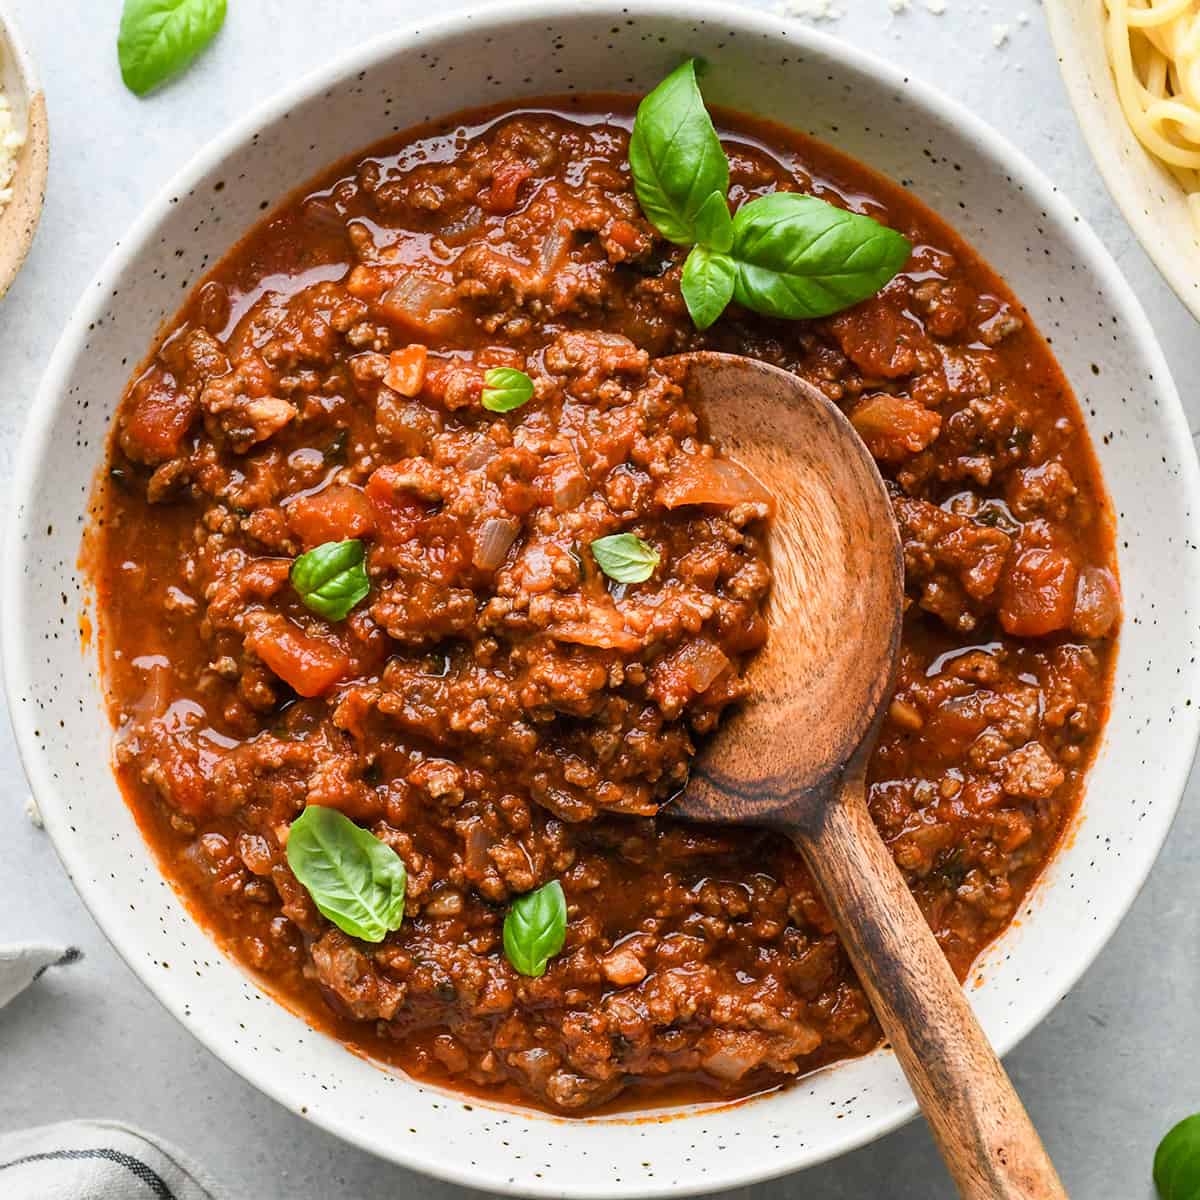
(308, 665)
(894, 427)
(420, 303)
(507, 178)
(1037, 594)
(396, 506)
(406, 369)
(180, 780)
(626, 235)
(161, 415)
(333, 515)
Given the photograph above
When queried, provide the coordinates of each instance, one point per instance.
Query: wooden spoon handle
(982, 1129)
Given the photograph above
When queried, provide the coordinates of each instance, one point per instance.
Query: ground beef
(499, 712)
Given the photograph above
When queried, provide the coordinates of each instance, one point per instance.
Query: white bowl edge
(21, 672)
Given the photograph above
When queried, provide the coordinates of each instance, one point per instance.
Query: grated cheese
(828, 10)
(11, 140)
(815, 10)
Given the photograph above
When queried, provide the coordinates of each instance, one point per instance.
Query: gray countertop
(1104, 1076)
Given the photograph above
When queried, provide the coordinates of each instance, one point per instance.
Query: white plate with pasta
(1132, 69)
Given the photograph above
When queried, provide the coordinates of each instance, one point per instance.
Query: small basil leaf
(707, 284)
(625, 557)
(800, 257)
(506, 388)
(158, 38)
(535, 929)
(356, 880)
(331, 579)
(714, 224)
(1177, 1162)
(676, 156)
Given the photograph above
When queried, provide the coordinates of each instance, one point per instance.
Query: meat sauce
(496, 710)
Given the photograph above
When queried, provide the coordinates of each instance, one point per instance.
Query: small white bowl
(1144, 190)
(19, 219)
(997, 199)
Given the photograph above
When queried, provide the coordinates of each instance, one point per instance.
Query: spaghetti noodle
(1154, 50)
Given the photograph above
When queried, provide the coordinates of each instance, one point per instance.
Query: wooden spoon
(794, 757)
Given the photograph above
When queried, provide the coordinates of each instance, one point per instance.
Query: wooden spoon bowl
(794, 756)
(835, 609)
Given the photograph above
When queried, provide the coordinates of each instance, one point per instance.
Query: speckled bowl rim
(18, 664)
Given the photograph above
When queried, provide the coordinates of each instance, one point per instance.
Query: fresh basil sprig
(535, 929)
(331, 579)
(1177, 1162)
(800, 257)
(356, 880)
(159, 38)
(506, 388)
(625, 557)
(782, 255)
(675, 155)
(709, 278)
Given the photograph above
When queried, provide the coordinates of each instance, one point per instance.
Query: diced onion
(462, 227)
(603, 629)
(694, 479)
(493, 540)
(570, 487)
(418, 299)
(702, 662)
(478, 841)
(479, 455)
(733, 1061)
(554, 250)
(323, 213)
(1097, 603)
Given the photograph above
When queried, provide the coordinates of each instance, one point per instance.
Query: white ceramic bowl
(1144, 190)
(995, 196)
(19, 219)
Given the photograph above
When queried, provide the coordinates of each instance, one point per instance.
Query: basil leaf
(676, 156)
(714, 225)
(535, 929)
(355, 880)
(800, 257)
(158, 38)
(331, 579)
(1177, 1162)
(707, 285)
(625, 557)
(506, 388)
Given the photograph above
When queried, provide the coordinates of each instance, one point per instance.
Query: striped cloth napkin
(97, 1160)
(86, 1160)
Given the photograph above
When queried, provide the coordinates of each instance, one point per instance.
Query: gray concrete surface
(1116, 1063)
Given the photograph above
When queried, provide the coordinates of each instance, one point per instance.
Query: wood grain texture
(794, 756)
(985, 1136)
(834, 612)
